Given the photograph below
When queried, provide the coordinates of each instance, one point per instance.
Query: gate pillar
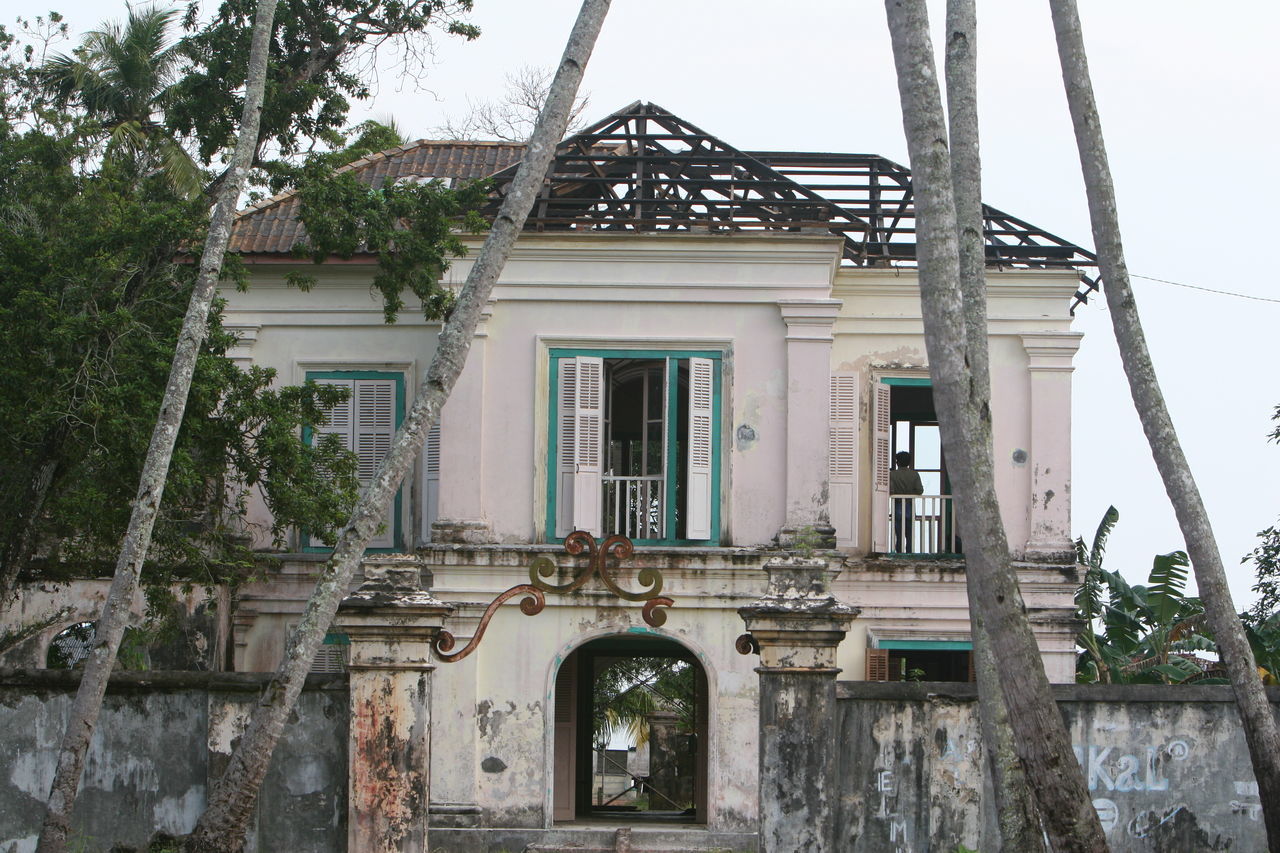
(392, 621)
(796, 628)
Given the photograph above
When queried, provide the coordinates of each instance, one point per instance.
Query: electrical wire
(1205, 289)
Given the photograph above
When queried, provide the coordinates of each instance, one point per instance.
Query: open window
(906, 521)
(366, 424)
(635, 445)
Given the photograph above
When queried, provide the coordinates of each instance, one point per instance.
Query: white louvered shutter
(881, 459)
(842, 458)
(375, 427)
(430, 482)
(338, 420)
(698, 476)
(588, 445)
(566, 433)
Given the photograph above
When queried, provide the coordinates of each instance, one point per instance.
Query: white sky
(1188, 94)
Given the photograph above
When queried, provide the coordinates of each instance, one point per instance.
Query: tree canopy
(96, 265)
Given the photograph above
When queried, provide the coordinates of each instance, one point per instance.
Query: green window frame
(672, 358)
(397, 525)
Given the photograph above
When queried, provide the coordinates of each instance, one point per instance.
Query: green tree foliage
(93, 284)
(95, 245)
(1143, 627)
(412, 227)
(317, 53)
(1264, 639)
(630, 689)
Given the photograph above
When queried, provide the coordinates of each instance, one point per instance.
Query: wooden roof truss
(645, 169)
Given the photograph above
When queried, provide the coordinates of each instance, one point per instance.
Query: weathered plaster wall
(578, 290)
(492, 737)
(880, 328)
(927, 600)
(148, 768)
(1167, 767)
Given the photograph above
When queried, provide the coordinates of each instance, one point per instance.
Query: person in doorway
(903, 480)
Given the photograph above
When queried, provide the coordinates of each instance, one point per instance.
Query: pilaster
(1049, 357)
(809, 324)
(460, 515)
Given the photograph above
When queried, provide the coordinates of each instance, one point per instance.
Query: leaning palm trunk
(225, 822)
(133, 551)
(1255, 711)
(1017, 819)
(1040, 736)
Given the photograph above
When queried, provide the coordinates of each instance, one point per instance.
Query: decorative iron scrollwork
(532, 605)
(604, 558)
(747, 644)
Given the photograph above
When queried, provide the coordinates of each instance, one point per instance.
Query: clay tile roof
(271, 226)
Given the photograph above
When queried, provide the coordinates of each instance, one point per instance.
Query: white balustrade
(635, 506)
(928, 525)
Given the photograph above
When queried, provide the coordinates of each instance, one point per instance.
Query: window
(920, 660)
(333, 655)
(635, 445)
(366, 423)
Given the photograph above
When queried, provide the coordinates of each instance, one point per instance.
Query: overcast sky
(1188, 94)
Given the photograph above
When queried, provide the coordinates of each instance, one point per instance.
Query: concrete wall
(149, 767)
(1166, 765)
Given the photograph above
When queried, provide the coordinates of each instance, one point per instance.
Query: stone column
(1049, 358)
(809, 323)
(797, 626)
(391, 621)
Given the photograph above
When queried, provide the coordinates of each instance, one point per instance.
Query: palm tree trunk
(1255, 711)
(1018, 822)
(223, 825)
(133, 551)
(1040, 736)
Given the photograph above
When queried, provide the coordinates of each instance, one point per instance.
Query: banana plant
(1264, 639)
(1143, 627)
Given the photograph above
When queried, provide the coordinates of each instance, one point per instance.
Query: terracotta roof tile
(271, 226)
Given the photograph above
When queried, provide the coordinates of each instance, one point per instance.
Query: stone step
(648, 840)
(569, 838)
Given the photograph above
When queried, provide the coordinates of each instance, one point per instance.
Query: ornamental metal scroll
(604, 559)
(615, 549)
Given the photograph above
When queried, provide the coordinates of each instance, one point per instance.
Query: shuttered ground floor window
(366, 423)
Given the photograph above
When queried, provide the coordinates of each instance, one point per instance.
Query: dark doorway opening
(630, 733)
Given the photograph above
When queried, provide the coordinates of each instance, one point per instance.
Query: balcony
(922, 525)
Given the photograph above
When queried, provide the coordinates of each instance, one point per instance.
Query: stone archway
(593, 783)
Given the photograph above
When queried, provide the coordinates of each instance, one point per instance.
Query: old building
(715, 353)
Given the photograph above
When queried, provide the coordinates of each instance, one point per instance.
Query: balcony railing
(922, 524)
(635, 506)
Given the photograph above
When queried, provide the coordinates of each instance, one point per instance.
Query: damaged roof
(645, 169)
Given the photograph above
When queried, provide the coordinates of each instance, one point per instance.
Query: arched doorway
(630, 740)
